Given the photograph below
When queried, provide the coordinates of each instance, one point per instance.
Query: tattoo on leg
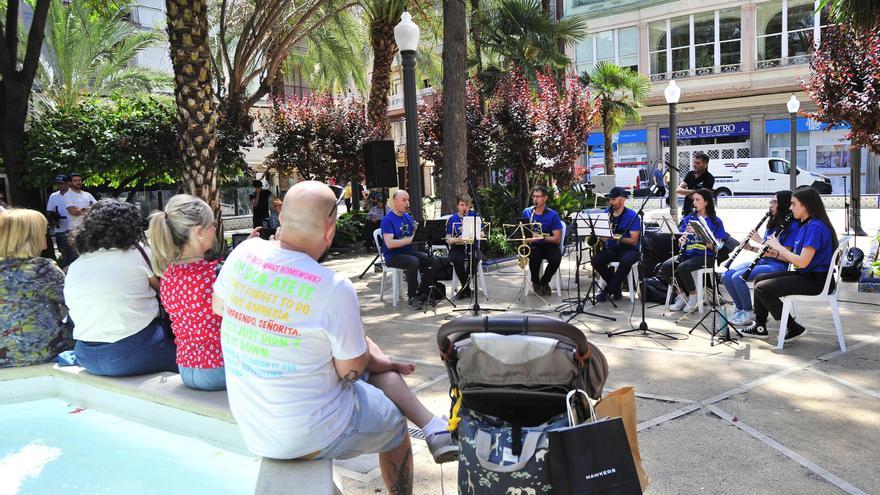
(351, 376)
(402, 483)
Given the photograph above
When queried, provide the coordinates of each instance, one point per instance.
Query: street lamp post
(672, 93)
(406, 34)
(793, 106)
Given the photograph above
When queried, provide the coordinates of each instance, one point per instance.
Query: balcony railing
(395, 102)
(704, 71)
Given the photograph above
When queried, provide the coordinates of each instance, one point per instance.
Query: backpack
(655, 289)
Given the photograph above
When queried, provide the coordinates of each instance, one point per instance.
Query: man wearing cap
(56, 211)
(622, 248)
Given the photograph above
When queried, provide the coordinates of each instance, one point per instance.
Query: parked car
(760, 176)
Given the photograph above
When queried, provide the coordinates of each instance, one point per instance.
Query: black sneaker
(415, 303)
(601, 297)
(538, 288)
(794, 331)
(755, 330)
(546, 289)
(465, 293)
(618, 296)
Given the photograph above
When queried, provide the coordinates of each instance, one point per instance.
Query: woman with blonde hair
(180, 238)
(31, 293)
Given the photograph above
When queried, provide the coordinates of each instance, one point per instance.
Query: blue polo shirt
(786, 238)
(627, 222)
(816, 235)
(694, 246)
(549, 220)
(399, 227)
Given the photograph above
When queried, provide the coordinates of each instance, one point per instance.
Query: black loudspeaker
(380, 165)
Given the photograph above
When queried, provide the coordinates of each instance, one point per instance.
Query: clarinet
(746, 241)
(779, 231)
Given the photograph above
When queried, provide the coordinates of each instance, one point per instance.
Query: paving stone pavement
(737, 417)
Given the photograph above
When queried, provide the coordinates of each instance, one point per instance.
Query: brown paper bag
(622, 403)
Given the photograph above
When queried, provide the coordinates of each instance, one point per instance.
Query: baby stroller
(509, 377)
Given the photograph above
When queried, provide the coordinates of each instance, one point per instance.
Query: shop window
(695, 45)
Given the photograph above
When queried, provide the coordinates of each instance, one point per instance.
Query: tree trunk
(609, 153)
(16, 82)
(384, 49)
(454, 102)
(855, 199)
(545, 6)
(194, 94)
(475, 39)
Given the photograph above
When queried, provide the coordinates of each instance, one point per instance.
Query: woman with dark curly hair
(111, 292)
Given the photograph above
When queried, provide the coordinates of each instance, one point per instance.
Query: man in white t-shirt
(56, 210)
(294, 348)
(77, 201)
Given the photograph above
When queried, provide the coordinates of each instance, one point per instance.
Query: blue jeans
(147, 351)
(376, 426)
(739, 288)
(209, 379)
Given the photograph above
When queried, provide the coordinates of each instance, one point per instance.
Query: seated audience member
(31, 293)
(625, 223)
(111, 292)
(545, 247)
(180, 237)
(375, 207)
(398, 230)
(296, 352)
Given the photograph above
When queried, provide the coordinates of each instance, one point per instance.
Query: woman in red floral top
(180, 237)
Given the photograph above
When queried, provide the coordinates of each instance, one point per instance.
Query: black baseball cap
(617, 192)
(62, 178)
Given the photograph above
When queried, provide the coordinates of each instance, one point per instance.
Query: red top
(186, 295)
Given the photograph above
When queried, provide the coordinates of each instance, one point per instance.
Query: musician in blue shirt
(458, 250)
(546, 246)
(626, 224)
(811, 255)
(398, 230)
(694, 252)
(781, 224)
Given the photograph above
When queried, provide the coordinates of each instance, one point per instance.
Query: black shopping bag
(592, 458)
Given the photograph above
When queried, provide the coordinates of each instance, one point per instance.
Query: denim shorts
(376, 425)
(209, 379)
(147, 351)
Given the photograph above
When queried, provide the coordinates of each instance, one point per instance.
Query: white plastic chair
(480, 274)
(632, 279)
(556, 281)
(699, 281)
(833, 274)
(396, 273)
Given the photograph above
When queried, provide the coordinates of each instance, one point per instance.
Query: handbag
(622, 403)
(498, 458)
(591, 457)
(164, 318)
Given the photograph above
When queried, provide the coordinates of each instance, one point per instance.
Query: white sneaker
(691, 304)
(737, 318)
(747, 317)
(679, 304)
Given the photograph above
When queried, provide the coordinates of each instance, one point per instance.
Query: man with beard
(77, 201)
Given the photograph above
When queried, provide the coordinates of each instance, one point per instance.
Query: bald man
(398, 230)
(294, 349)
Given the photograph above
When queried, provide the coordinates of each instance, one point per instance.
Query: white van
(760, 176)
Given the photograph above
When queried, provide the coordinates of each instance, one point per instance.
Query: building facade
(737, 63)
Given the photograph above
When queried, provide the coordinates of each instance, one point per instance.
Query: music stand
(595, 225)
(702, 233)
(432, 232)
(522, 231)
(643, 325)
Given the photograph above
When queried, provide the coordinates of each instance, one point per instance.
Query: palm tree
(382, 16)
(89, 53)
(519, 34)
(455, 102)
(194, 94)
(620, 92)
(861, 14)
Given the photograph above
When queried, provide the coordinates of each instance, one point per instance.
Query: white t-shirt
(285, 319)
(57, 204)
(109, 295)
(80, 199)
